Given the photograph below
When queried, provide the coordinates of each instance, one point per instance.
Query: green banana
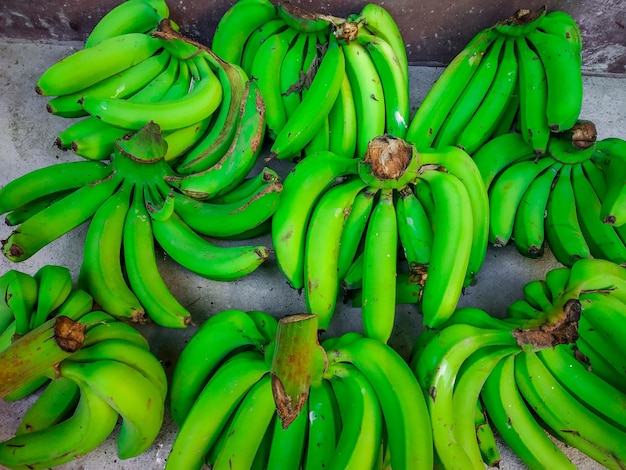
(442, 96)
(379, 269)
(226, 332)
(291, 83)
(452, 225)
(314, 107)
(342, 122)
(88, 66)
(254, 42)
(288, 444)
(58, 219)
(55, 284)
(130, 16)
(237, 24)
(533, 95)
(195, 106)
(361, 418)
(235, 164)
(321, 249)
(529, 224)
(302, 187)
(611, 156)
(367, 90)
(323, 426)
(302, 20)
(500, 152)
(562, 63)
(219, 398)
(484, 121)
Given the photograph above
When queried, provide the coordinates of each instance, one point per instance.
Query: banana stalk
(38, 352)
(296, 349)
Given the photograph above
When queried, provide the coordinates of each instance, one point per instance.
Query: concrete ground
(27, 134)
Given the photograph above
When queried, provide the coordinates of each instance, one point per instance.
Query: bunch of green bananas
(572, 198)
(523, 72)
(89, 370)
(342, 220)
(359, 403)
(136, 199)
(329, 83)
(554, 365)
(130, 73)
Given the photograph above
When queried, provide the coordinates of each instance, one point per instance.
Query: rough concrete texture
(27, 134)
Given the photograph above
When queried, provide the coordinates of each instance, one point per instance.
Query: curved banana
(379, 22)
(605, 314)
(471, 97)
(452, 221)
(198, 104)
(529, 224)
(254, 42)
(287, 445)
(218, 139)
(323, 426)
(135, 397)
(266, 70)
(500, 152)
(481, 126)
(90, 425)
(603, 240)
(303, 185)
(321, 249)
(237, 24)
(380, 269)
(611, 155)
(361, 418)
(563, 232)
(414, 229)
(315, 105)
(402, 402)
(101, 271)
(566, 417)
(516, 424)
(394, 81)
(459, 163)
(561, 24)
(131, 16)
(142, 270)
(302, 20)
(58, 219)
(468, 385)
(88, 66)
(342, 123)
(48, 181)
(367, 90)
(442, 96)
(55, 284)
(219, 399)
(562, 63)
(537, 294)
(235, 164)
(56, 403)
(598, 395)
(505, 194)
(533, 96)
(247, 427)
(226, 332)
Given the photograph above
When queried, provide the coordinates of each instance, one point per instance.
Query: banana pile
(137, 199)
(572, 198)
(88, 369)
(343, 221)
(553, 366)
(357, 403)
(329, 83)
(522, 73)
(137, 68)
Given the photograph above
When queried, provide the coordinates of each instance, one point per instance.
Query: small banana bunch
(571, 198)
(136, 199)
(328, 83)
(523, 72)
(553, 366)
(136, 68)
(251, 392)
(91, 370)
(341, 220)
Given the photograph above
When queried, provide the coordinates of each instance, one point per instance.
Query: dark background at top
(433, 30)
